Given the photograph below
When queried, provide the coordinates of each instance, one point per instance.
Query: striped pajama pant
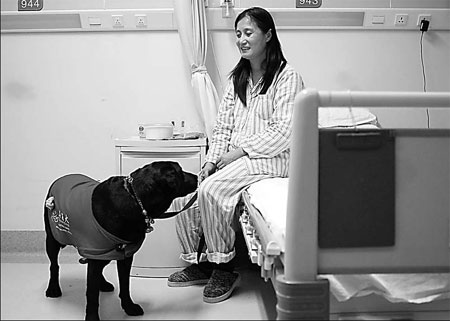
(213, 213)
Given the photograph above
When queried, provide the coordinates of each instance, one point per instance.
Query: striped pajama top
(263, 128)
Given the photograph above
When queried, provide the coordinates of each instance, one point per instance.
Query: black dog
(121, 210)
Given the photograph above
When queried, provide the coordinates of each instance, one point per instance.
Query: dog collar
(128, 184)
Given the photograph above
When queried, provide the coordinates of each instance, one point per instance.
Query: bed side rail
(301, 258)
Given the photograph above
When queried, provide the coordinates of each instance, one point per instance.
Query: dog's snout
(190, 182)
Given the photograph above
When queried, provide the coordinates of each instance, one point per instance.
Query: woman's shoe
(191, 275)
(220, 286)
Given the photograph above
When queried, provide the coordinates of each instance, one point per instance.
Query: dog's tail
(47, 213)
(47, 208)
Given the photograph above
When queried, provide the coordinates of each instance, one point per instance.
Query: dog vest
(73, 223)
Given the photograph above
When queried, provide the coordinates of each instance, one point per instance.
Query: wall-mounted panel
(340, 18)
(319, 19)
(122, 15)
(138, 4)
(41, 22)
(11, 5)
(420, 4)
(89, 20)
(444, 4)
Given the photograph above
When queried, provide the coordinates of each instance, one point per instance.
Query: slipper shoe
(220, 286)
(191, 275)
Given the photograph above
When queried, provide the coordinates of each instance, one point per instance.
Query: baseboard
(23, 241)
(19, 246)
(29, 246)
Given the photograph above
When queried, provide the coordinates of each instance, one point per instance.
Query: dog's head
(159, 183)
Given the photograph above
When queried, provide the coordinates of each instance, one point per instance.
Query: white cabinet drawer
(190, 162)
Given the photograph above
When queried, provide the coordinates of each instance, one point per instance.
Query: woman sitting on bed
(250, 142)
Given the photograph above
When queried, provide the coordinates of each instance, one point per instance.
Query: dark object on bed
(356, 188)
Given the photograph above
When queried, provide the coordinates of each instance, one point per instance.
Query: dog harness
(73, 223)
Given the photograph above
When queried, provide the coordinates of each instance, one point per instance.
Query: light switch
(378, 20)
(95, 21)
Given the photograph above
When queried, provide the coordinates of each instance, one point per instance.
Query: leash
(128, 182)
(185, 207)
(165, 215)
(148, 220)
(201, 244)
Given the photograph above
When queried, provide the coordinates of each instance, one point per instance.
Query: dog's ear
(171, 177)
(145, 179)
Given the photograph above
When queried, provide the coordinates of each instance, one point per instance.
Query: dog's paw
(53, 291)
(132, 309)
(50, 203)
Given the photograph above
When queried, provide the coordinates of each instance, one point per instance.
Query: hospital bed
(364, 215)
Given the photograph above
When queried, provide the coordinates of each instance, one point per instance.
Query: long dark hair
(274, 55)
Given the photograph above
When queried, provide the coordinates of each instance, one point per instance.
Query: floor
(24, 278)
(24, 281)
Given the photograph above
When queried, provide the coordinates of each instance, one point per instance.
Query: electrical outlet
(401, 19)
(117, 21)
(141, 20)
(422, 17)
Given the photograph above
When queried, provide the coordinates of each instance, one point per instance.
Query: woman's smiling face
(250, 40)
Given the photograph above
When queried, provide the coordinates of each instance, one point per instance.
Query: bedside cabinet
(160, 252)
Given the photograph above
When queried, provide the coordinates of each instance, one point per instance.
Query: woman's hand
(207, 170)
(230, 157)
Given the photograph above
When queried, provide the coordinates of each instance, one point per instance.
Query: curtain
(191, 21)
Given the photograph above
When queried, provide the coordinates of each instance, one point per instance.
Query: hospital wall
(65, 96)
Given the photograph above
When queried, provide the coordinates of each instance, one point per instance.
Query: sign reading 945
(30, 5)
(308, 3)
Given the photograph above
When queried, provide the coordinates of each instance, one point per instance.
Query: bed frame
(301, 293)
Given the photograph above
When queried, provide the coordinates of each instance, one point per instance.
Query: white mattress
(269, 196)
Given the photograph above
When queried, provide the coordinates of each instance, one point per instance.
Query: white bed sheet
(330, 117)
(269, 196)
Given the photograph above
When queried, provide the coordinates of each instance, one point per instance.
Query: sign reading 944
(30, 5)
(308, 3)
